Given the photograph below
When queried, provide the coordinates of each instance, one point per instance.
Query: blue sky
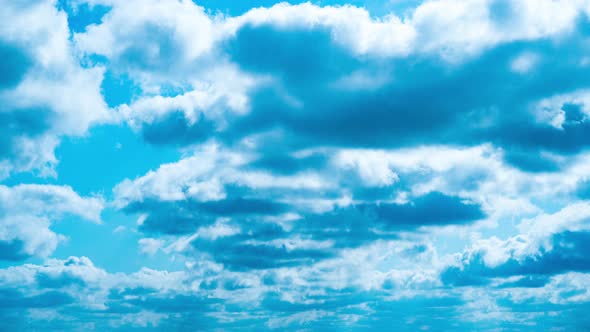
(325, 166)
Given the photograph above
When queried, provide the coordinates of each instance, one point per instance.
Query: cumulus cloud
(548, 244)
(151, 298)
(227, 205)
(332, 169)
(265, 90)
(26, 214)
(46, 93)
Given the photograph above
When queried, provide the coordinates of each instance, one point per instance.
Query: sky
(217, 165)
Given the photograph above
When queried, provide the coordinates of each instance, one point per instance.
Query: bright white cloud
(177, 43)
(66, 95)
(203, 177)
(27, 211)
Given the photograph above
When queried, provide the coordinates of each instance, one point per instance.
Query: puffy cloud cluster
(234, 207)
(45, 91)
(26, 214)
(237, 76)
(338, 170)
(548, 244)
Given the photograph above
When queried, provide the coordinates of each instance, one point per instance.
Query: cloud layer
(295, 166)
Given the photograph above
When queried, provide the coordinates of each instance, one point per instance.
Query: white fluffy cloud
(177, 43)
(89, 284)
(66, 95)
(535, 234)
(203, 177)
(450, 28)
(476, 172)
(181, 22)
(210, 101)
(27, 211)
(155, 42)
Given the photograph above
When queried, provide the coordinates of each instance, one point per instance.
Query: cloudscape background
(169, 165)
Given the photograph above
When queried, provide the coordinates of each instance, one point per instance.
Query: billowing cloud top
(328, 165)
